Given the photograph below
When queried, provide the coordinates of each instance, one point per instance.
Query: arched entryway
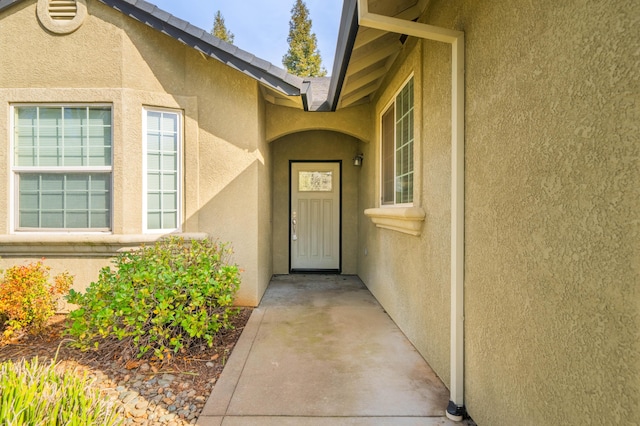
(317, 146)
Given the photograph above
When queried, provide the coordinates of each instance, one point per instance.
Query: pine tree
(303, 58)
(220, 29)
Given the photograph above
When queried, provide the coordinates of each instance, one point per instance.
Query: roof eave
(346, 38)
(4, 4)
(201, 40)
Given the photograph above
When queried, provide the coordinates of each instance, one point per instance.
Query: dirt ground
(196, 370)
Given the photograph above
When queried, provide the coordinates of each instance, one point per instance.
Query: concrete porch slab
(320, 350)
(333, 421)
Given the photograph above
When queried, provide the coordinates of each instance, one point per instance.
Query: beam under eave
(275, 98)
(268, 97)
(353, 102)
(377, 56)
(352, 84)
(368, 35)
(399, 26)
(355, 95)
(286, 102)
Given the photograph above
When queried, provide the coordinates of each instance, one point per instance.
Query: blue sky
(261, 27)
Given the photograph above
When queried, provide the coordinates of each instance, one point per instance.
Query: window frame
(393, 103)
(14, 180)
(179, 170)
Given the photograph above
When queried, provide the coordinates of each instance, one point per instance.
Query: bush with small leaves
(27, 299)
(158, 300)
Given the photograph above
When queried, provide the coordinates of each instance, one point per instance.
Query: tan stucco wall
(265, 208)
(552, 303)
(354, 121)
(552, 273)
(116, 60)
(409, 274)
(315, 145)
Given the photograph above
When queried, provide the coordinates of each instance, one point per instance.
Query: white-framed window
(397, 148)
(162, 130)
(62, 167)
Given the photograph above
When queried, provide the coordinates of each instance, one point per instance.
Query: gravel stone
(167, 418)
(151, 400)
(128, 396)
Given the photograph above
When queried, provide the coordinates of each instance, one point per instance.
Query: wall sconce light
(357, 160)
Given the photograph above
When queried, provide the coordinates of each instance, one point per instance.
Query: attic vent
(61, 16)
(62, 10)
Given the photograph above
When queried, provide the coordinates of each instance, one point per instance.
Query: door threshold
(315, 271)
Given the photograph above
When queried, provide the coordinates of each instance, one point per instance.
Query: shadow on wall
(233, 215)
(227, 100)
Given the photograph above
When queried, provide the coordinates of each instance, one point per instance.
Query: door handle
(294, 226)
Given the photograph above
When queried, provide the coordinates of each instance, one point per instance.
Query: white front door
(315, 216)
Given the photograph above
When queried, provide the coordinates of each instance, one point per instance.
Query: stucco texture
(552, 261)
(552, 198)
(552, 303)
(115, 60)
(354, 121)
(318, 146)
(409, 274)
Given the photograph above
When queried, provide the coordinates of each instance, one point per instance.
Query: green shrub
(27, 299)
(36, 394)
(159, 299)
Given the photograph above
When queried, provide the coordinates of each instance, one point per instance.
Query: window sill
(407, 220)
(108, 245)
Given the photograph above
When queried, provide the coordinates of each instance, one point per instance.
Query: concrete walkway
(320, 350)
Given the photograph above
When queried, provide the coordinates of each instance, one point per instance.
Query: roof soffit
(373, 51)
